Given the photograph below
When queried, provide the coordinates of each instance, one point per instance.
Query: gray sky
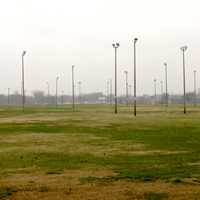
(59, 33)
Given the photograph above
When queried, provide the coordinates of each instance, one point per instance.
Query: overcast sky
(59, 33)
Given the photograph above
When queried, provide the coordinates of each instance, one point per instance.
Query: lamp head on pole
(24, 52)
(184, 48)
(135, 40)
(116, 45)
(165, 64)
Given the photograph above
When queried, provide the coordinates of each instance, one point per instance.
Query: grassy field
(56, 154)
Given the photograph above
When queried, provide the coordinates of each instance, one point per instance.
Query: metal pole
(183, 49)
(116, 80)
(135, 40)
(184, 81)
(23, 89)
(115, 46)
(73, 100)
(57, 91)
(166, 85)
(126, 76)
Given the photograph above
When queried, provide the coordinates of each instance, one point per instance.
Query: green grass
(157, 144)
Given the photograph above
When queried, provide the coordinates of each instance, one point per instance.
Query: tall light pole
(126, 76)
(110, 91)
(115, 46)
(8, 96)
(73, 87)
(57, 78)
(135, 40)
(79, 88)
(166, 85)
(183, 49)
(155, 92)
(23, 89)
(48, 92)
(195, 88)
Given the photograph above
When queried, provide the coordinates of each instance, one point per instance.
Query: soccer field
(56, 154)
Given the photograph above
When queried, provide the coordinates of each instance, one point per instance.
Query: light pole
(23, 89)
(155, 89)
(166, 85)
(110, 91)
(195, 89)
(115, 46)
(126, 76)
(79, 88)
(135, 40)
(183, 49)
(8, 96)
(73, 100)
(57, 78)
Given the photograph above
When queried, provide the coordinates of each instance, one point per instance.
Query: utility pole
(115, 46)
(23, 89)
(166, 85)
(126, 74)
(183, 49)
(195, 89)
(135, 40)
(73, 100)
(57, 78)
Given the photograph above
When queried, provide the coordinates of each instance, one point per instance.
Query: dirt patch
(51, 177)
(114, 191)
(30, 118)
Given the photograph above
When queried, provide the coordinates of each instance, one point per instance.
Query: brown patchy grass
(56, 187)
